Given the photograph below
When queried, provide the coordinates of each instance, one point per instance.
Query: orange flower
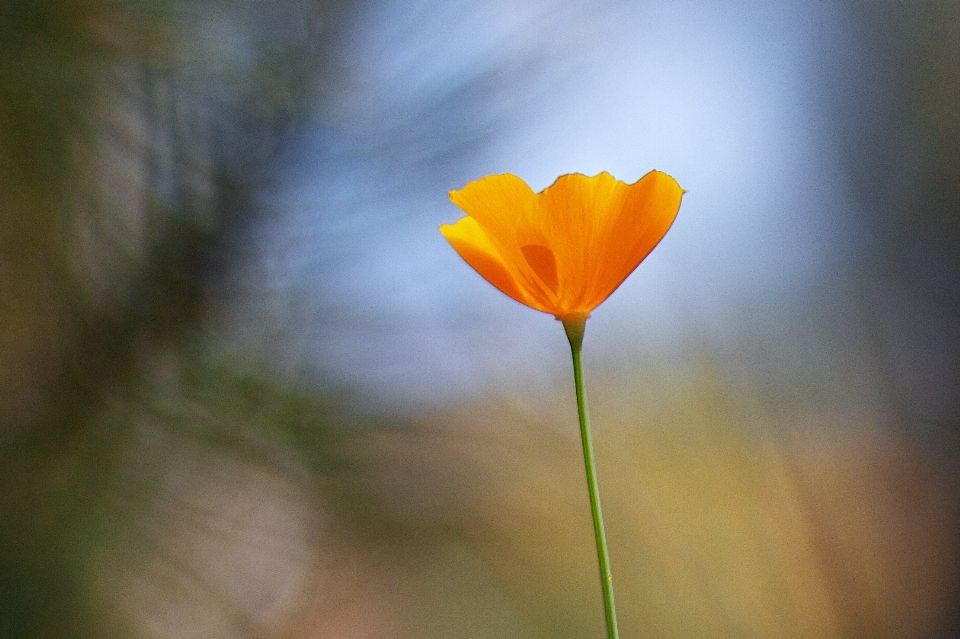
(564, 250)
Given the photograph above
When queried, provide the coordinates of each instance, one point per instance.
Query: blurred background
(247, 390)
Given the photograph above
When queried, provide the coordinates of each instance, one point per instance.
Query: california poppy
(564, 250)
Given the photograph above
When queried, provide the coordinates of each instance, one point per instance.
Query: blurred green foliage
(130, 149)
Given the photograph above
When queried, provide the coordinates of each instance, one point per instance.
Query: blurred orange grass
(564, 250)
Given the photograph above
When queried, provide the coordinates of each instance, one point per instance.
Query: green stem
(574, 327)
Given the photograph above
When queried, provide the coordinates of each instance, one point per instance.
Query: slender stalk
(574, 327)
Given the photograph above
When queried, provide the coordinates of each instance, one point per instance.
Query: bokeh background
(246, 390)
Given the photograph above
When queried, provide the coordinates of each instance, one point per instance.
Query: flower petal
(476, 249)
(646, 214)
(496, 202)
(543, 263)
(565, 250)
(574, 214)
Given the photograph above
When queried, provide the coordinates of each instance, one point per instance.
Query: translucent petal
(496, 202)
(646, 214)
(575, 213)
(566, 249)
(476, 249)
(543, 263)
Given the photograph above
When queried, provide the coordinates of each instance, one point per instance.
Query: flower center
(543, 263)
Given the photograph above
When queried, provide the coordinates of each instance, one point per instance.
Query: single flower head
(564, 250)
